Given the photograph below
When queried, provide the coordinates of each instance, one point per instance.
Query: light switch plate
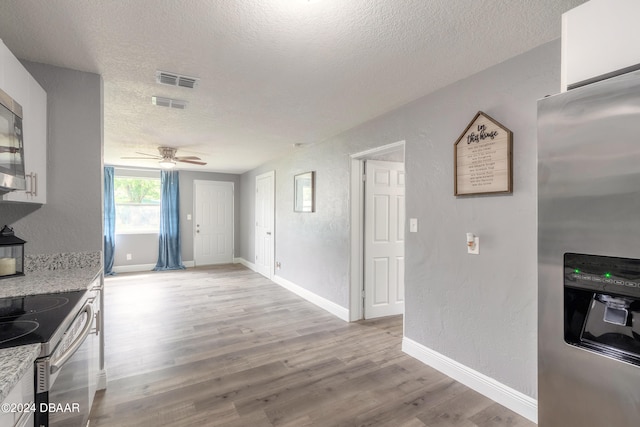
(413, 225)
(476, 247)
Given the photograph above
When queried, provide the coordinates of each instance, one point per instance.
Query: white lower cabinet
(17, 408)
(6, 419)
(25, 419)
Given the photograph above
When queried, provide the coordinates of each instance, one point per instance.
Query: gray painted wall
(71, 221)
(477, 310)
(313, 248)
(144, 247)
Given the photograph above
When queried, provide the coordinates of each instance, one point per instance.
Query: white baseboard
(132, 268)
(330, 306)
(102, 380)
(518, 402)
(249, 265)
(321, 302)
(142, 267)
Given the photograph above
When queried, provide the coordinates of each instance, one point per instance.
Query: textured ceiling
(273, 72)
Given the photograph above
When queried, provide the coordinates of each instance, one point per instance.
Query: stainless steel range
(589, 255)
(66, 371)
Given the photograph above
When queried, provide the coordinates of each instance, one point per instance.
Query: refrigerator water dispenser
(602, 305)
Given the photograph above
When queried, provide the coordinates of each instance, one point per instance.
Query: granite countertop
(44, 274)
(49, 281)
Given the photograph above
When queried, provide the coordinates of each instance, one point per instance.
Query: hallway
(223, 346)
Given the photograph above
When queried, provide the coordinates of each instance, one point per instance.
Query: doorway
(213, 208)
(377, 232)
(265, 224)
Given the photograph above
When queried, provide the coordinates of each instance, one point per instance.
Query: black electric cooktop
(34, 318)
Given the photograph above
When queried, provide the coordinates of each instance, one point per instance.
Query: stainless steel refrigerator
(589, 255)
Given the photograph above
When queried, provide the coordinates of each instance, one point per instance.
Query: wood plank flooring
(223, 346)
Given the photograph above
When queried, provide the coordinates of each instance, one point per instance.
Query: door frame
(356, 303)
(233, 215)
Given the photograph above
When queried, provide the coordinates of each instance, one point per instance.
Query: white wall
(477, 310)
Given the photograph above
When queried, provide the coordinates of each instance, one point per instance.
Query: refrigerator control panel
(602, 274)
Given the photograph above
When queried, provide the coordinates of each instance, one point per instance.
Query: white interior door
(384, 239)
(265, 205)
(213, 207)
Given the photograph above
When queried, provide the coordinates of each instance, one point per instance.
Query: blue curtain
(169, 252)
(109, 222)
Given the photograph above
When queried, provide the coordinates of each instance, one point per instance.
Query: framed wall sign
(304, 192)
(483, 158)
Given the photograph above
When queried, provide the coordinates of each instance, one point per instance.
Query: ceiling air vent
(172, 79)
(168, 102)
(188, 82)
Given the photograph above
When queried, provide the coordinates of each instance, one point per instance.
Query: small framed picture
(304, 192)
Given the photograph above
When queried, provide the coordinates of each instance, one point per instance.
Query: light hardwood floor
(223, 346)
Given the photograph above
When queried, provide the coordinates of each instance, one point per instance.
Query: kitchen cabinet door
(21, 395)
(35, 155)
(33, 99)
(599, 40)
(15, 81)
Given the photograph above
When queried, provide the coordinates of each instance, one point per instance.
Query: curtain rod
(133, 168)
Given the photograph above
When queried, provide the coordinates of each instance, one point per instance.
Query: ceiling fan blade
(154, 156)
(187, 158)
(139, 158)
(190, 161)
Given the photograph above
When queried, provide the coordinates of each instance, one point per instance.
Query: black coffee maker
(602, 305)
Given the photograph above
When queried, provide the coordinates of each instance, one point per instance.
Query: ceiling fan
(167, 158)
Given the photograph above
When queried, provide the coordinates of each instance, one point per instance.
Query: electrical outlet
(129, 257)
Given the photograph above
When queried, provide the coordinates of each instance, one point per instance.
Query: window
(137, 203)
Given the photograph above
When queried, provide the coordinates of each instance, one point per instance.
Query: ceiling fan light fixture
(167, 164)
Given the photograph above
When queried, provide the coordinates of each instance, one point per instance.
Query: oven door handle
(57, 364)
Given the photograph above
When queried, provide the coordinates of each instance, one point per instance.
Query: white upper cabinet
(16, 81)
(16, 78)
(599, 37)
